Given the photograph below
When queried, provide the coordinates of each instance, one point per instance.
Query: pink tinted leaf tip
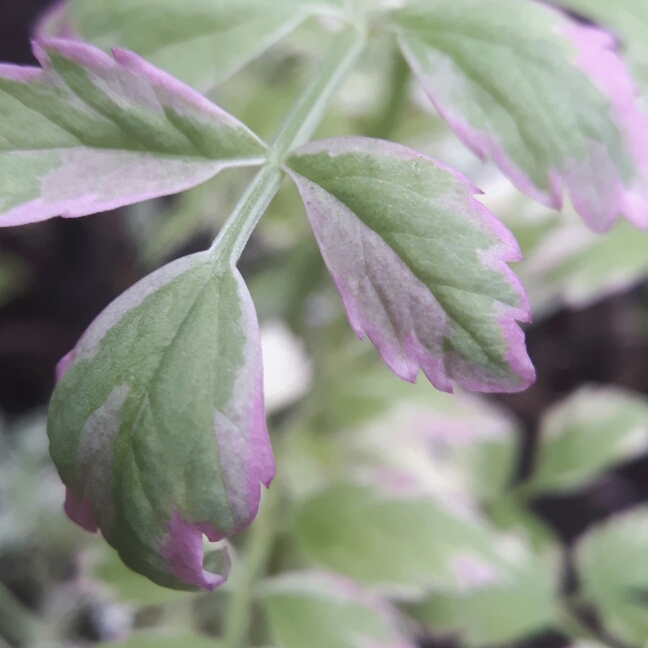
(183, 549)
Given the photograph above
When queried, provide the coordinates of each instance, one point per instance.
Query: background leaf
(587, 434)
(545, 97)
(522, 604)
(403, 542)
(457, 444)
(202, 42)
(322, 610)
(612, 566)
(154, 639)
(572, 266)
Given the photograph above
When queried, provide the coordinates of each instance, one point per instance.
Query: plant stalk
(257, 552)
(571, 625)
(296, 129)
(387, 120)
(310, 108)
(233, 237)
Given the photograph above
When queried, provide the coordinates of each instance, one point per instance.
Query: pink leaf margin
(53, 22)
(253, 456)
(598, 57)
(184, 553)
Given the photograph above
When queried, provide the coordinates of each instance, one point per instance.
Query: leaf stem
(17, 623)
(297, 128)
(386, 121)
(571, 625)
(308, 111)
(233, 237)
(257, 552)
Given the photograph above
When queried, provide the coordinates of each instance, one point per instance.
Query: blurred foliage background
(400, 516)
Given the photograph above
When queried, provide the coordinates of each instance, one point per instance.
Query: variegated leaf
(419, 263)
(89, 133)
(590, 432)
(408, 544)
(547, 98)
(201, 42)
(157, 425)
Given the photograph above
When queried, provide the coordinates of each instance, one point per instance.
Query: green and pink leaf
(547, 98)
(419, 263)
(89, 133)
(157, 424)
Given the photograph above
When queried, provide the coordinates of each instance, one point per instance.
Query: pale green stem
(296, 129)
(233, 237)
(310, 108)
(387, 120)
(522, 491)
(17, 623)
(573, 627)
(257, 552)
